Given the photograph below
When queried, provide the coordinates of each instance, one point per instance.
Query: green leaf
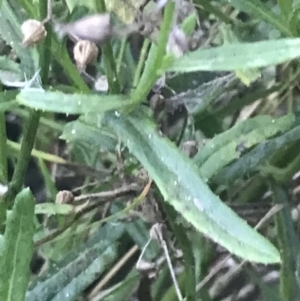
(189, 23)
(198, 99)
(7, 105)
(48, 179)
(231, 57)
(9, 65)
(250, 162)
(98, 137)
(259, 10)
(7, 101)
(289, 245)
(10, 71)
(224, 148)
(70, 103)
(247, 76)
(53, 209)
(17, 250)
(182, 187)
(286, 7)
(67, 279)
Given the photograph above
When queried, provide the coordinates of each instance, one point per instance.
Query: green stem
(26, 147)
(150, 74)
(32, 126)
(288, 243)
(141, 63)
(121, 54)
(3, 150)
(109, 61)
(45, 48)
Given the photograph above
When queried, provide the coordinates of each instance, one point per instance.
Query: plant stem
(45, 48)
(109, 61)
(24, 157)
(121, 54)
(150, 74)
(141, 63)
(32, 126)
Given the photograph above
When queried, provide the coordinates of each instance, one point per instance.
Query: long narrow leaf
(70, 103)
(289, 245)
(17, 249)
(81, 267)
(258, 9)
(182, 187)
(92, 135)
(224, 148)
(231, 57)
(249, 162)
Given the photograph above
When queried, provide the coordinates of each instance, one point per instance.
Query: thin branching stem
(30, 130)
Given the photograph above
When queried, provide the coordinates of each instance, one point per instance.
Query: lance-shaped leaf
(181, 185)
(17, 248)
(257, 156)
(75, 103)
(260, 10)
(228, 146)
(92, 135)
(81, 267)
(10, 71)
(289, 244)
(236, 56)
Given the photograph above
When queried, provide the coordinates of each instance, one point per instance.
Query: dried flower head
(33, 32)
(95, 28)
(85, 52)
(64, 197)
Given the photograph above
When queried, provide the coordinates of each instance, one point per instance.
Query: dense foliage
(149, 150)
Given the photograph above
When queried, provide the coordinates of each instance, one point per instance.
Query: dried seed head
(64, 197)
(177, 43)
(95, 28)
(33, 32)
(142, 176)
(85, 52)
